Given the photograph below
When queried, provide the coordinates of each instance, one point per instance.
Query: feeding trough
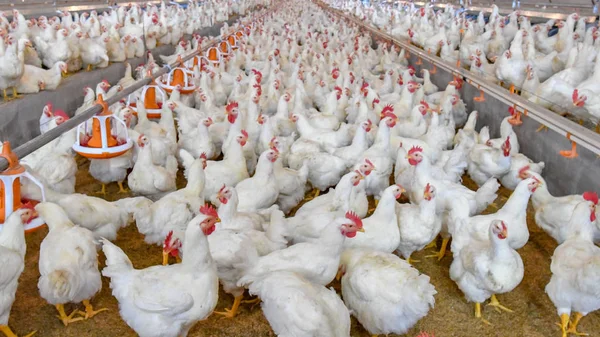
(102, 143)
(224, 48)
(214, 56)
(232, 40)
(152, 97)
(180, 76)
(10, 188)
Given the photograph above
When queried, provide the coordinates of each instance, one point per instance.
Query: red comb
(415, 149)
(168, 238)
(231, 106)
(334, 70)
(29, 205)
(424, 104)
(222, 188)
(369, 162)
(575, 94)
(387, 108)
(365, 85)
(337, 88)
(61, 114)
(427, 188)
(355, 218)
(523, 170)
(245, 133)
(591, 196)
(208, 210)
(203, 156)
(511, 110)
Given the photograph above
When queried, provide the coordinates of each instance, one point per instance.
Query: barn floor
(534, 314)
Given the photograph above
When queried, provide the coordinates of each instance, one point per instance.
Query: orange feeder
(239, 34)
(232, 40)
(148, 97)
(178, 76)
(195, 61)
(224, 48)
(214, 56)
(10, 188)
(102, 144)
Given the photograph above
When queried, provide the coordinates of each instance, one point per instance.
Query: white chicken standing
(12, 256)
(261, 190)
(68, 264)
(166, 301)
(386, 294)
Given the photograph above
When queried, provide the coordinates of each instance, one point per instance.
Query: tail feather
(484, 135)
(133, 205)
(171, 165)
(486, 194)
(276, 230)
(60, 282)
(303, 172)
(186, 160)
(117, 263)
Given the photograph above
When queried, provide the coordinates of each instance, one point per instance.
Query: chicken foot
(440, 255)
(412, 261)
(494, 303)
(103, 190)
(67, 319)
(478, 313)
(230, 313)
(432, 244)
(564, 321)
(165, 260)
(121, 188)
(89, 67)
(9, 333)
(573, 326)
(89, 310)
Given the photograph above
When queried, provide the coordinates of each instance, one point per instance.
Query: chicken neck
(196, 253)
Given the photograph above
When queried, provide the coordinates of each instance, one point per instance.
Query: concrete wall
(19, 119)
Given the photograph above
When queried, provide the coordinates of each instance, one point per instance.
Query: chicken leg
(15, 94)
(494, 303)
(478, 313)
(412, 261)
(67, 319)
(89, 310)
(8, 332)
(230, 313)
(440, 255)
(89, 67)
(121, 188)
(564, 321)
(573, 325)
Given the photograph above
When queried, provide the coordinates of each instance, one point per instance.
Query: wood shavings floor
(534, 315)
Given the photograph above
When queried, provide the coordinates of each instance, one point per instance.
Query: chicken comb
(523, 171)
(350, 215)
(388, 108)
(336, 88)
(376, 100)
(415, 149)
(105, 81)
(335, 69)
(423, 103)
(209, 210)
(511, 110)
(369, 162)
(49, 105)
(365, 85)
(245, 133)
(203, 156)
(60, 113)
(222, 188)
(231, 106)
(167, 242)
(412, 68)
(591, 196)
(29, 205)
(507, 141)
(369, 122)
(575, 95)
(428, 188)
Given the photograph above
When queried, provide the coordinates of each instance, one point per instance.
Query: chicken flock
(36, 53)
(553, 64)
(304, 105)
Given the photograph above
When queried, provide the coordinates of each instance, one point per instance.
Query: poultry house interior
(299, 168)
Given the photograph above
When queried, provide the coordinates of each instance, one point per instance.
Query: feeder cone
(231, 40)
(213, 54)
(178, 78)
(150, 99)
(223, 47)
(96, 140)
(14, 168)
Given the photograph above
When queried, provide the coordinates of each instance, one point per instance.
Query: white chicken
(386, 294)
(166, 301)
(68, 264)
(261, 190)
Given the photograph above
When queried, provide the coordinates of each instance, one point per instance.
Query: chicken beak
(217, 220)
(361, 230)
(503, 234)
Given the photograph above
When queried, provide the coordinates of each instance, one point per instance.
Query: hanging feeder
(232, 40)
(102, 144)
(197, 60)
(214, 56)
(10, 189)
(239, 34)
(224, 48)
(148, 98)
(178, 76)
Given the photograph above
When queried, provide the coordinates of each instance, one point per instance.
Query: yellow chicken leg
(252, 301)
(478, 313)
(121, 188)
(103, 190)
(564, 321)
(89, 310)
(432, 244)
(412, 261)
(230, 313)
(165, 260)
(6, 99)
(573, 326)
(440, 255)
(67, 319)
(494, 303)
(8, 332)
(15, 94)
(89, 67)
